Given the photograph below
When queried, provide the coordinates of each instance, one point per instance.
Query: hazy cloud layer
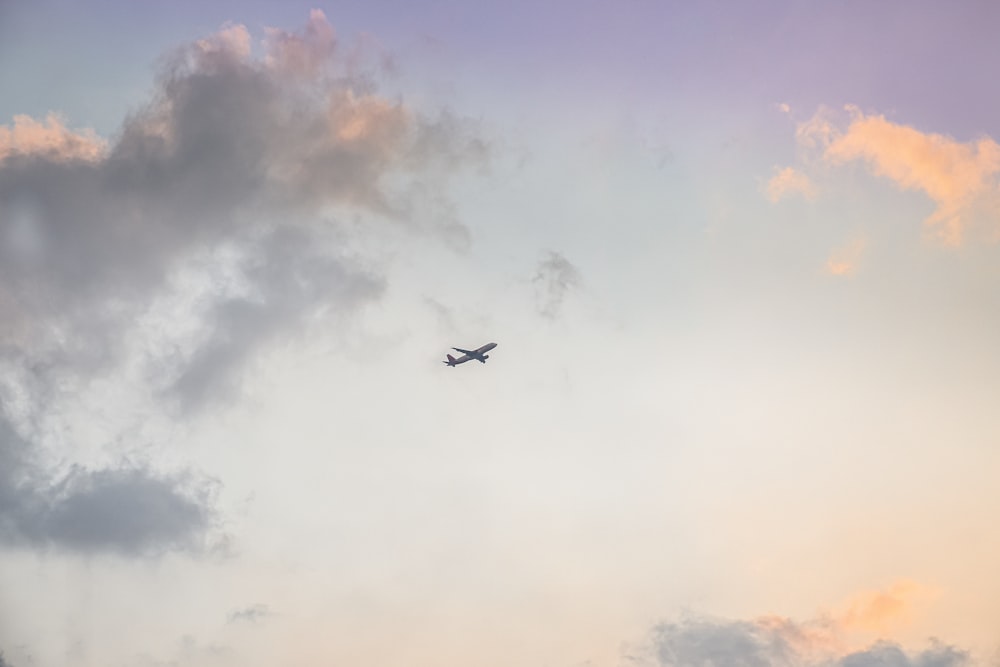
(204, 231)
(778, 642)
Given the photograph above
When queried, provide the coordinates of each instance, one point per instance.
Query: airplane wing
(458, 349)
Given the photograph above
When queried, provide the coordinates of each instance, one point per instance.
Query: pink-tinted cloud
(49, 138)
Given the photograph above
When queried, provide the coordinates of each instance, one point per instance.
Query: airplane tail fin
(451, 360)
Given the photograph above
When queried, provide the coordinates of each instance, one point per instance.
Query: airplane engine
(486, 356)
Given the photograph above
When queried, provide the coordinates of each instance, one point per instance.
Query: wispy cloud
(879, 611)
(251, 614)
(846, 259)
(789, 181)
(554, 278)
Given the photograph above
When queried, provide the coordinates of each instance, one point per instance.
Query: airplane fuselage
(479, 354)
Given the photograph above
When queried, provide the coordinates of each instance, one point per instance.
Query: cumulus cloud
(554, 278)
(778, 642)
(960, 178)
(206, 230)
(789, 181)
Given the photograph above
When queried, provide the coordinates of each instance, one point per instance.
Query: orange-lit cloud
(789, 181)
(50, 138)
(373, 120)
(959, 177)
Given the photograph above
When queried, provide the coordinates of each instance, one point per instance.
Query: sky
(740, 261)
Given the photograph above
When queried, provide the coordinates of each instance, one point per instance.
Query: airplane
(478, 354)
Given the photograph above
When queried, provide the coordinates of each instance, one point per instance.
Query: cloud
(854, 636)
(845, 260)
(876, 611)
(960, 178)
(251, 614)
(554, 278)
(789, 181)
(172, 256)
(289, 278)
(304, 53)
(772, 642)
(129, 510)
(51, 138)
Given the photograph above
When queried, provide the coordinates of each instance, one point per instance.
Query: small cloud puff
(845, 260)
(251, 614)
(554, 278)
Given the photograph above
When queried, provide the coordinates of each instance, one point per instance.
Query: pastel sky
(740, 259)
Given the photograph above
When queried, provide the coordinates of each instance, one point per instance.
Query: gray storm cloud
(234, 155)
